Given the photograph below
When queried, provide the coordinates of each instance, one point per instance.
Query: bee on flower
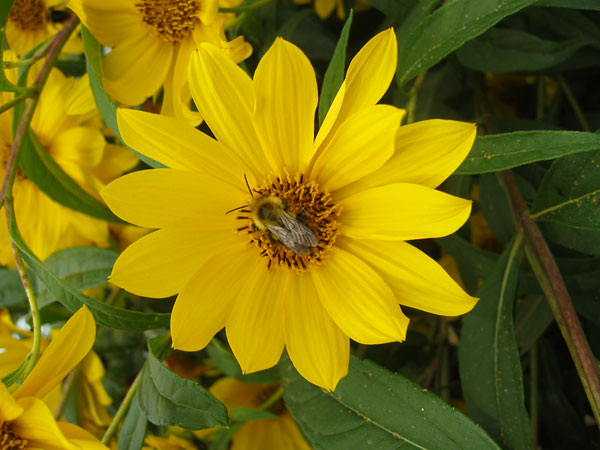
(355, 194)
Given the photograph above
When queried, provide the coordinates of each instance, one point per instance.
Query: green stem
(112, 428)
(548, 275)
(244, 8)
(585, 125)
(67, 386)
(539, 109)
(533, 394)
(414, 95)
(272, 399)
(18, 99)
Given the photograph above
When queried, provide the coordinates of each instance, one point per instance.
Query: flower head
(152, 41)
(324, 8)
(25, 420)
(313, 253)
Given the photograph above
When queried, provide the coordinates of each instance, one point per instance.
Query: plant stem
(69, 383)
(585, 125)
(19, 98)
(414, 95)
(548, 275)
(112, 428)
(272, 399)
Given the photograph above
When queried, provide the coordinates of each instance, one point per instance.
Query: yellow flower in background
(31, 22)
(171, 442)
(66, 123)
(315, 253)
(268, 434)
(324, 8)
(25, 420)
(152, 41)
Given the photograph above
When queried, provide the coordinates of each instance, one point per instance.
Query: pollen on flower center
(28, 15)
(10, 440)
(170, 20)
(310, 209)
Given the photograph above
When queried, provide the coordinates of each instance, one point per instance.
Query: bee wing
(298, 231)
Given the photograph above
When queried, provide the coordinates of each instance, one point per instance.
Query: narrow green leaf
(438, 34)
(79, 267)
(51, 179)
(374, 408)
(11, 289)
(167, 399)
(490, 368)
(584, 241)
(334, 76)
(574, 4)
(501, 50)
(570, 192)
(495, 208)
(133, 431)
(243, 414)
(106, 315)
(5, 8)
(532, 317)
(107, 108)
(504, 151)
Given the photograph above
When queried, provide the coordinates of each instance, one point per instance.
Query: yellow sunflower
(269, 434)
(31, 22)
(66, 123)
(25, 420)
(315, 251)
(324, 8)
(152, 41)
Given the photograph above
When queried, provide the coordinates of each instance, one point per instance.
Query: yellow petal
(367, 79)
(361, 145)
(9, 408)
(319, 350)
(160, 263)
(358, 299)
(417, 280)
(223, 93)
(116, 160)
(233, 392)
(80, 437)
(206, 300)
(255, 325)
(69, 346)
(80, 99)
(38, 426)
(285, 91)
(159, 198)
(273, 434)
(426, 153)
(179, 145)
(136, 69)
(324, 8)
(402, 211)
(83, 146)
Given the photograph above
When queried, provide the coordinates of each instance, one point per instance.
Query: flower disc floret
(28, 15)
(9, 440)
(170, 20)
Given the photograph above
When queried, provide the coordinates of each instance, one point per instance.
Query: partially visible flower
(25, 420)
(171, 442)
(152, 41)
(67, 126)
(324, 8)
(31, 22)
(315, 254)
(269, 434)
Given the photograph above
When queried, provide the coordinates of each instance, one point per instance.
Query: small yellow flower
(269, 434)
(25, 420)
(324, 8)
(315, 254)
(152, 41)
(31, 22)
(65, 121)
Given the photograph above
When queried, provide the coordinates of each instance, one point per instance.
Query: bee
(269, 213)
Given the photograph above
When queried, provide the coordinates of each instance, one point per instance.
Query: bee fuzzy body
(270, 214)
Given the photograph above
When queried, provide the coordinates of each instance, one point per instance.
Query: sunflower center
(293, 223)
(264, 395)
(28, 15)
(10, 440)
(170, 20)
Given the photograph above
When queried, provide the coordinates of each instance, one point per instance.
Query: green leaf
(532, 317)
(570, 192)
(51, 179)
(495, 208)
(575, 4)
(135, 425)
(106, 315)
(584, 241)
(438, 34)
(490, 368)
(167, 399)
(107, 108)
(11, 289)
(503, 50)
(393, 8)
(504, 151)
(5, 8)
(243, 414)
(334, 76)
(375, 408)
(225, 360)
(79, 267)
